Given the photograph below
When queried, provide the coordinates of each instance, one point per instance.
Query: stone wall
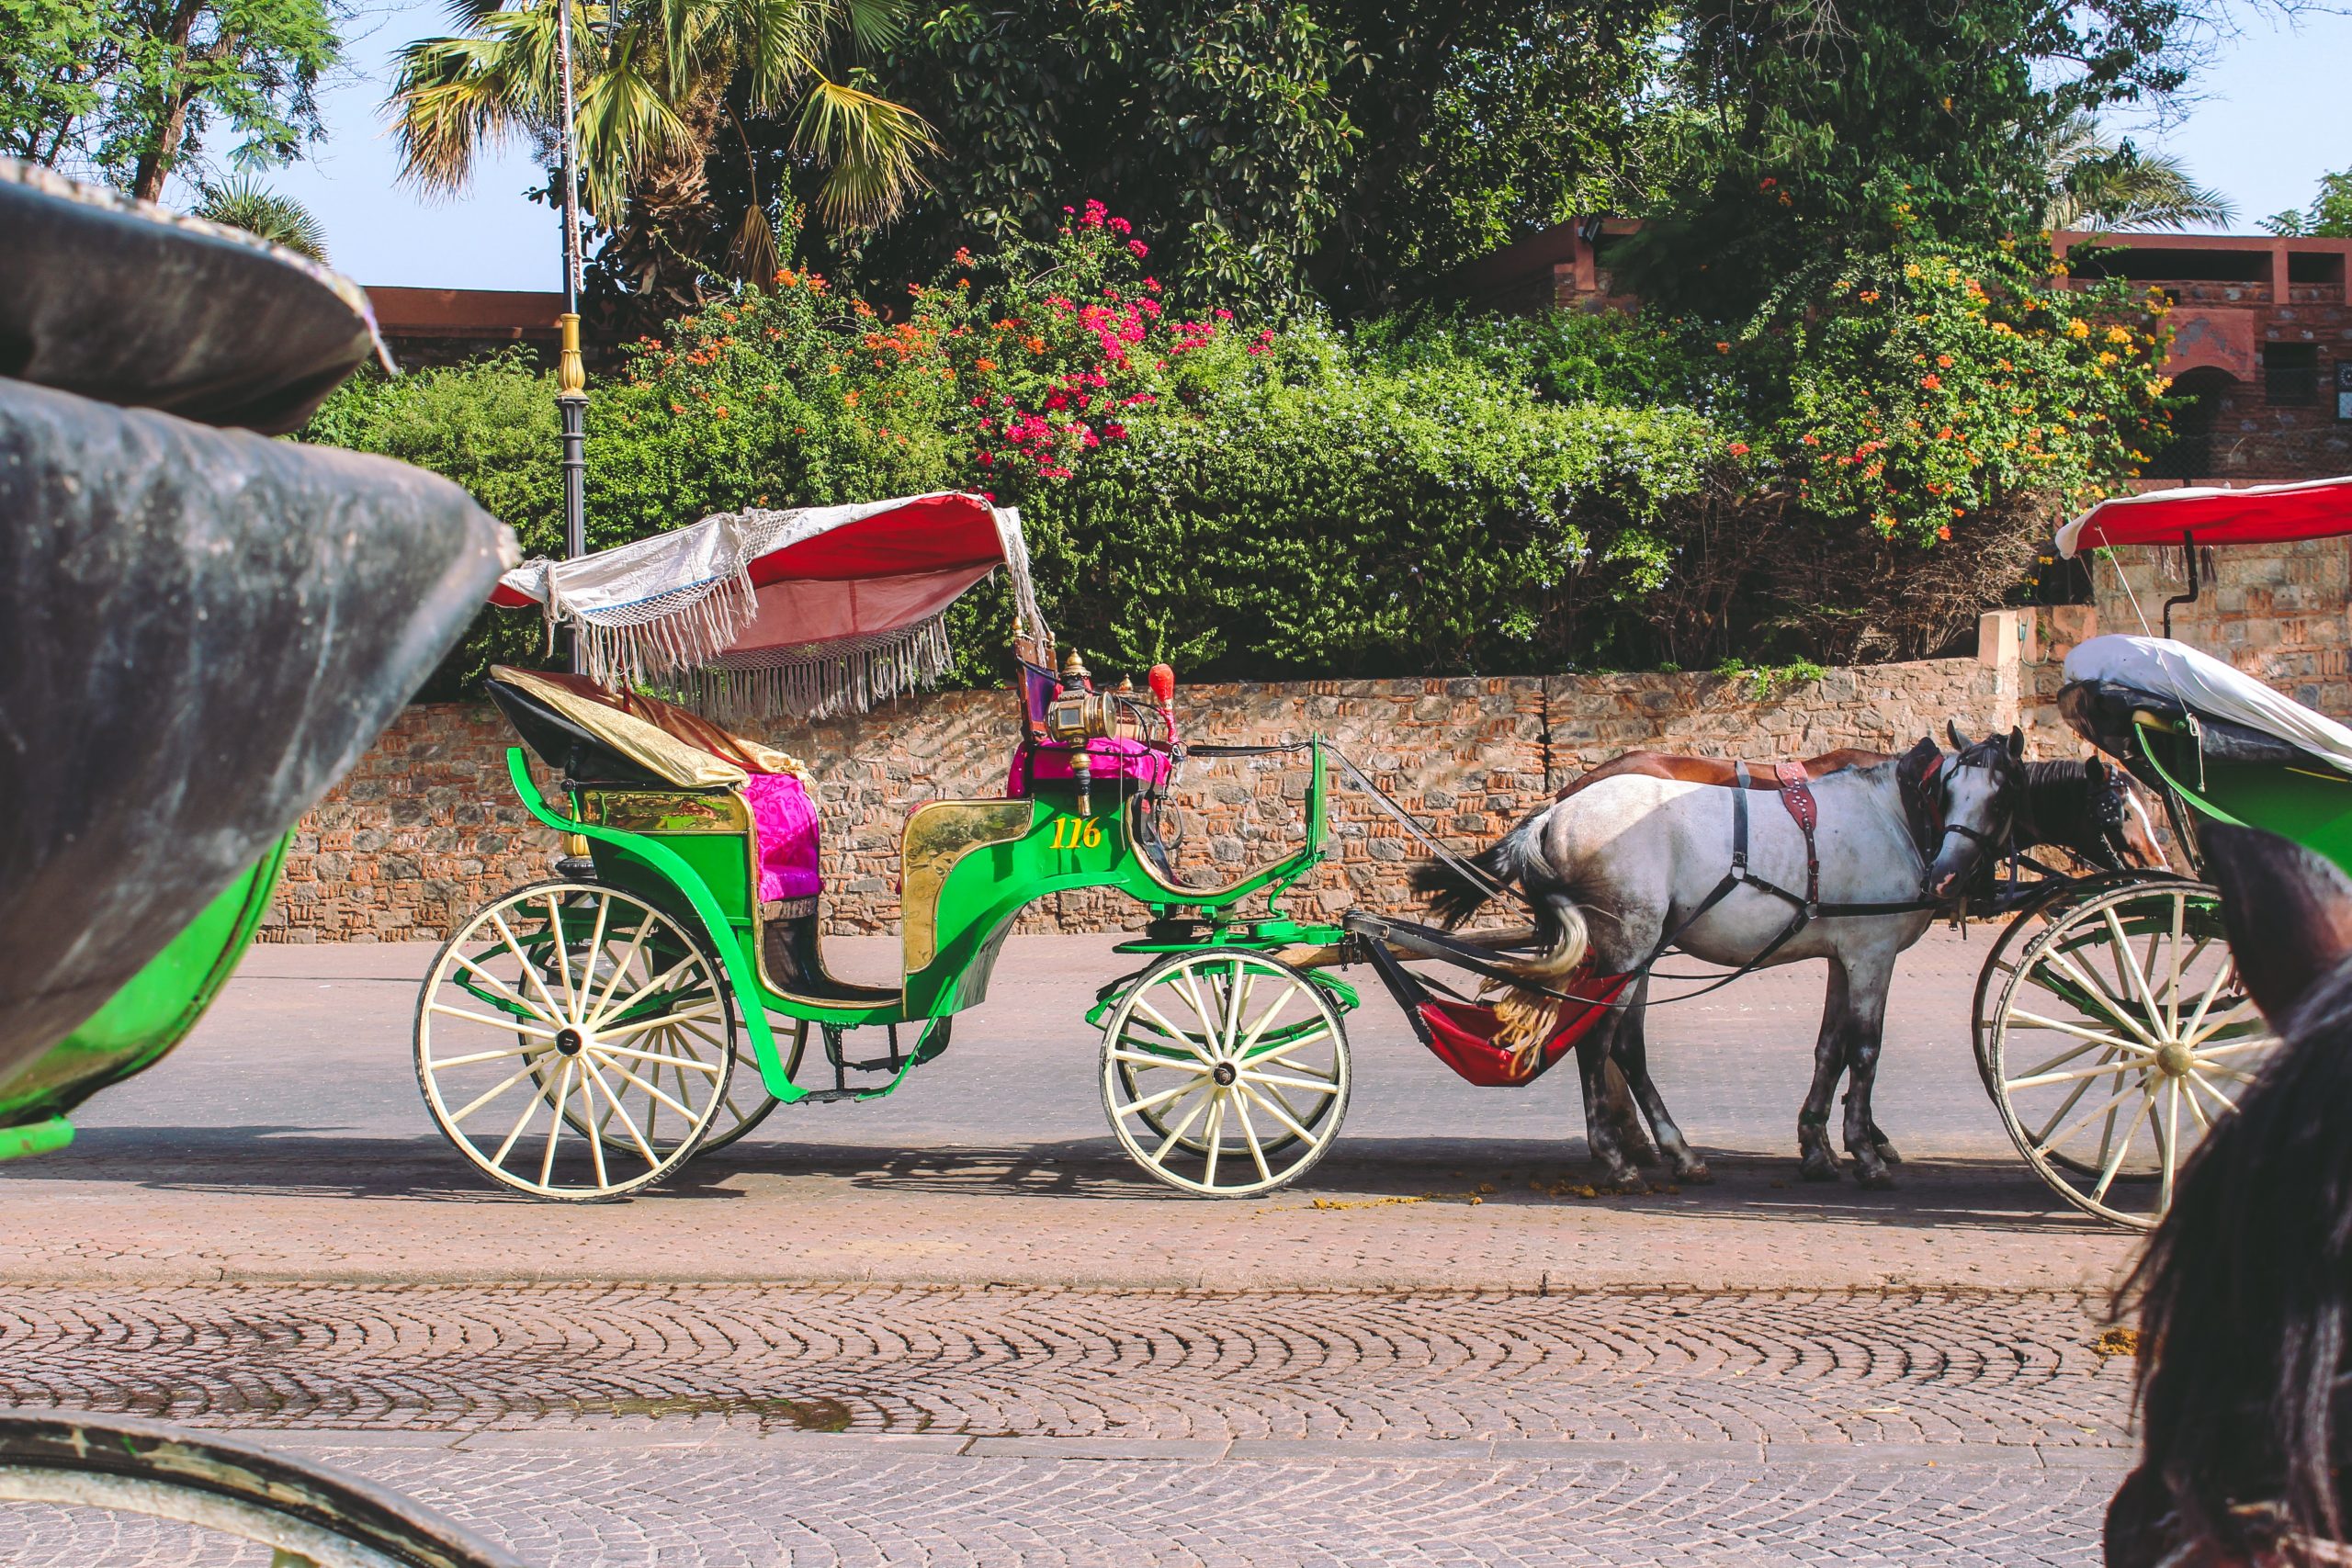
(427, 827)
(2281, 613)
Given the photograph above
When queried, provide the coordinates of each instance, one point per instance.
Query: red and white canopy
(807, 611)
(2259, 515)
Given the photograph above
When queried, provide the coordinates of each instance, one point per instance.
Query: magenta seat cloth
(785, 820)
(1115, 757)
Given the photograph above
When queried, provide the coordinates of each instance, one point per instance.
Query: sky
(2268, 117)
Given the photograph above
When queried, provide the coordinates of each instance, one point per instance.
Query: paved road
(741, 1426)
(955, 1328)
(286, 1141)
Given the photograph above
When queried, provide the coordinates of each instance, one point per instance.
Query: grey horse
(1614, 871)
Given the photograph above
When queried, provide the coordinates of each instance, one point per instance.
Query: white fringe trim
(816, 680)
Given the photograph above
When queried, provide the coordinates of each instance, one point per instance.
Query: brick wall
(427, 827)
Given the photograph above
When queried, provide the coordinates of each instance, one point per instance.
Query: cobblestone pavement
(727, 1425)
(742, 1507)
(1202, 1368)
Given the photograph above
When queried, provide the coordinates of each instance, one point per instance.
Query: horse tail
(1559, 920)
(1455, 895)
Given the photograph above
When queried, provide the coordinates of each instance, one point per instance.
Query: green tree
(2330, 213)
(245, 203)
(657, 83)
(2098, 183)
(1816, 128)
(127, 91)
(1345, 150)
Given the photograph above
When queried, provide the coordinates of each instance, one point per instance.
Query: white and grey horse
(1616, 869)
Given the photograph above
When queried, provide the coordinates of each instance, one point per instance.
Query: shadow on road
(266, 1160)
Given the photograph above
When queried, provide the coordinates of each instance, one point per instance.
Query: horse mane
(2244, 1294)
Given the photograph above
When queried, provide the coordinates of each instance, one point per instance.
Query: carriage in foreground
(584, 1037)
(2111, 1027)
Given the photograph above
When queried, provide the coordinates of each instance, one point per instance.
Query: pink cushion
(784, 820)
(1114, 758)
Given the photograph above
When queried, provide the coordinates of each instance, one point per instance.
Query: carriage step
(818, 1095)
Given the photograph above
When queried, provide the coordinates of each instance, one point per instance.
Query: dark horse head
(2245, 1288)
(1964, 807)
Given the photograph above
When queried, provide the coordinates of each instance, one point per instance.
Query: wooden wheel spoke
(620, 970)
(1272, 1106)
(2096, 1037)
(530, 1007)
(1149, 1059)
(661, 1021)
(514, 1135)
(2109, 1005)
(2118, 1098)
(2039, 1080)
(530, 970)
(644, 1149)
(2244, 1013)
(562, 954)
(2114, 1161)
(471, 1058)
(655, 1090)
(1176, 1134)
(1164, 1097)
(2167, 1142)
(652, 987)
(1143, 1005)
(555, 1127)
(504, 1026)
(1277, 1080)
(1212, 1135)
(1249, 1136)
(483, 1099)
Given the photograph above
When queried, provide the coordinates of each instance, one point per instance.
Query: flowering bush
(1854, 475)
(1933, 386)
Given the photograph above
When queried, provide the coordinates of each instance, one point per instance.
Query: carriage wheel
(1308, 1110)
(572, 1005)
(2122, 1036)
(2008, 949)
(744, 1106)
(1224, 1073)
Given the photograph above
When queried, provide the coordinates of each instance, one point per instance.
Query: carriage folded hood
(2203, 684)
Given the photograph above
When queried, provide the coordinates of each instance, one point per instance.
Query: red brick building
(2261, 343)
(2262, 334)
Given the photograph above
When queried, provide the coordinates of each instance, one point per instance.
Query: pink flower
(1152, 284)
(1738, 449)
(1114, 430)
(1139, 248)
(1121, 226)
(1222, 314)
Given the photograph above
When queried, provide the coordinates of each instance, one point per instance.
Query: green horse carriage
(2111, 1027)
(584, 1037)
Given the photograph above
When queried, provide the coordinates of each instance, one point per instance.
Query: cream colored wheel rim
(2123, 1036)
(1224, 1073)
(567, 1007)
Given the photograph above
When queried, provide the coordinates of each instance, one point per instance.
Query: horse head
(1976, 794)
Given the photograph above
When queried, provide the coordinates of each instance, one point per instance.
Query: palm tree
(2098, 183)
(653, 83)
(245, 203)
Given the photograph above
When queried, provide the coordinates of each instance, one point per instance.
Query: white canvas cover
(2204, 684)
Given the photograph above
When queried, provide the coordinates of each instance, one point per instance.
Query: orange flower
(1932, 382)
(985, 367)
(1944, 360)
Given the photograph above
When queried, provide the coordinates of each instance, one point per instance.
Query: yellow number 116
(1071, 831)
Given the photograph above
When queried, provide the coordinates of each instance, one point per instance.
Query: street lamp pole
(571, 376)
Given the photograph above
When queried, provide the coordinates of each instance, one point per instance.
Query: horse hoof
(1873, 1178)
(1694, 1172)
(1822, 1170)
(1625, 1180)
(1886, 1151)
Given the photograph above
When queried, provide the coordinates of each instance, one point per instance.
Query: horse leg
(1828, 1065)
(1618, 1104)
(1867, 1023)
(1599, 1126)
(1631, 1051)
